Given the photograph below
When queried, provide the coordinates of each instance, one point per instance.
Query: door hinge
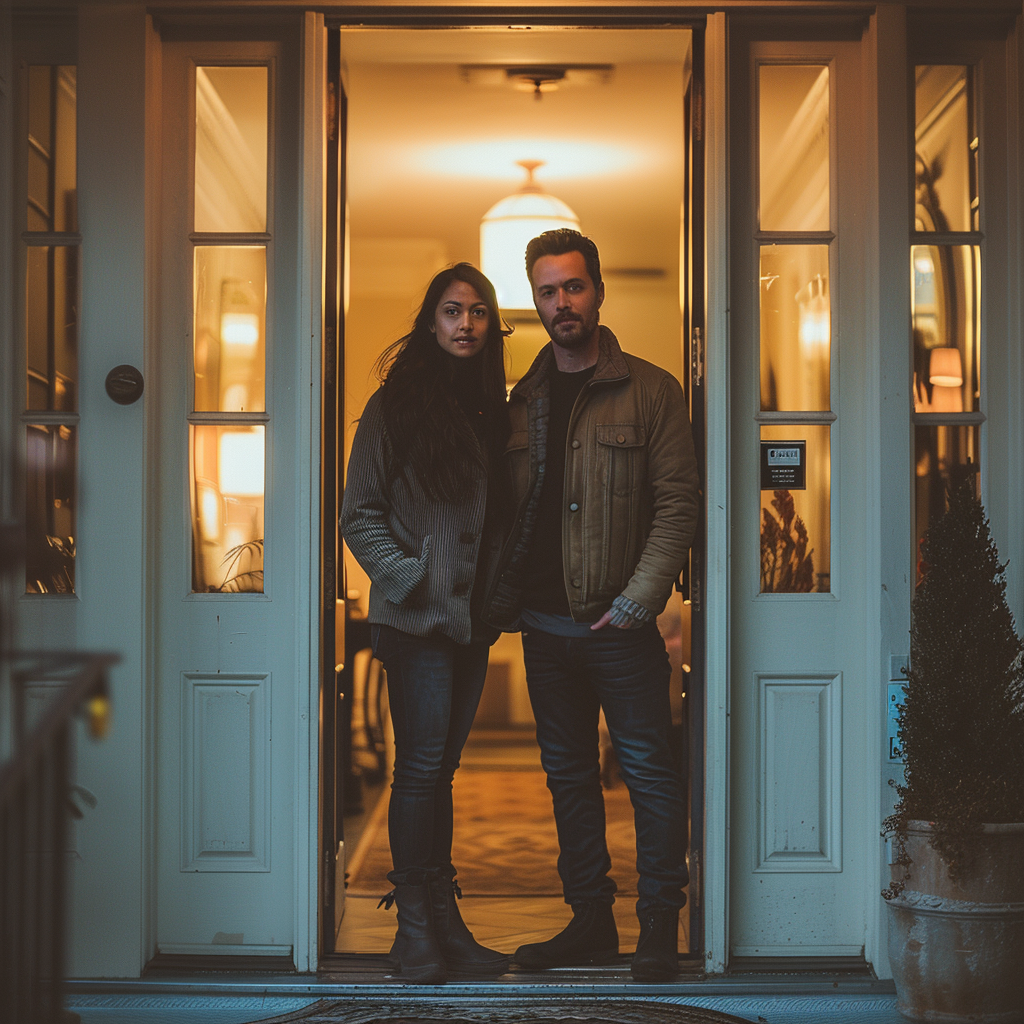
(697, 358)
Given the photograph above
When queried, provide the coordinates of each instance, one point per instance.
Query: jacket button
(574, 507)
(575, 443)
(460, 589)
(467, 538)
(621, 439)
(576, 582)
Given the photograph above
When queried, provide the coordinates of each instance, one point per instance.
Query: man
(607, 494)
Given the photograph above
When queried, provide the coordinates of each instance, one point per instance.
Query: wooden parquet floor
(505, 842)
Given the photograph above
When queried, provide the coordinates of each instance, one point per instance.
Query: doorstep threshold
(603, 982)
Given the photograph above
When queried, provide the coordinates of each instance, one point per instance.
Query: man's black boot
(657, 952)
(462, 953)
(416, 951)
(589, 938)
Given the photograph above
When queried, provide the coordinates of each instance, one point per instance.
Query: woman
(422, 500)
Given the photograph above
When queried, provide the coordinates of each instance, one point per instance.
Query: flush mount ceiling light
(506, 228)
(537, 78)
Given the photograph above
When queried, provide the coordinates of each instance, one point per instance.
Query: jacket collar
(611, 365)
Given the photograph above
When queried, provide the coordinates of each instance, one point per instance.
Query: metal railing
(35, 805)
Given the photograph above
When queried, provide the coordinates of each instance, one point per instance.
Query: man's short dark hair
(563, 240)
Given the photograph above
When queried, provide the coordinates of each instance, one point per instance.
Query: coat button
(574, 507)
(575, 443)
(466, 537)
(621, 439)
(460, 589)
(576, 582)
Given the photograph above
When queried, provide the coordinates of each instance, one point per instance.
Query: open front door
(433, 123)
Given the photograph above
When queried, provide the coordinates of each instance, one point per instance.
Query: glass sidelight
(228, 424)
(50, 303)
(946, 288)
(794, 244)
(229, 357)
(946, 323)
(946, 149)
(796, 521)
(231, 149)
(793, 147)
(227, 467)
(796, 328)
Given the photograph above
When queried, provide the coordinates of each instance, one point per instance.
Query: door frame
(706, 388)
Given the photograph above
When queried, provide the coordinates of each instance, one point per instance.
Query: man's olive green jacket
(631, 495)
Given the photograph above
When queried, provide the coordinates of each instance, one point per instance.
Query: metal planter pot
(957, 949)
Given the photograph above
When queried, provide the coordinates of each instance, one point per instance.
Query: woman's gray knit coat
(420, 553)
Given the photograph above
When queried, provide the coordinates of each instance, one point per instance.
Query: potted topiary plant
(956, 902)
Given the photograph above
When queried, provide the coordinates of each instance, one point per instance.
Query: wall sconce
(240, 463)
(508, 226)
(945, 367)
(815, 330)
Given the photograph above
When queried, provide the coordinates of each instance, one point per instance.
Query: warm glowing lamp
(815, 328)
(945, 368)
(240, 329)
(506, 228)
(241, 463)
(239, 319)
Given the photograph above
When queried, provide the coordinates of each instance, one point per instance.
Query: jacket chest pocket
(619, 456)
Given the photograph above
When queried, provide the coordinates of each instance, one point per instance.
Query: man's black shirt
(545, 581)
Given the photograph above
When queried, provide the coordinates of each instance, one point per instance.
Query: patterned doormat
(579, 1010)
(505, 842)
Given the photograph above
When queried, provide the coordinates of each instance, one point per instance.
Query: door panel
(227, 678)
(801, 848)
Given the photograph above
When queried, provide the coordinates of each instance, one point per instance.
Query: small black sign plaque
(783, 465)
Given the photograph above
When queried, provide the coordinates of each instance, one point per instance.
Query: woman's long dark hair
(429, 432)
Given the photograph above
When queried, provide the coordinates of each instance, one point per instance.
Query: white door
(232, 512)
(802, 842)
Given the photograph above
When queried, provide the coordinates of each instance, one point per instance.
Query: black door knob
(125, 384)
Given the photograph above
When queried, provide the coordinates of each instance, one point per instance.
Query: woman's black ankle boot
(462, 953)
(416, 950)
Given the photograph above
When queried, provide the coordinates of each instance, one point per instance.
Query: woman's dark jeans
(434, 687)
(626, 672)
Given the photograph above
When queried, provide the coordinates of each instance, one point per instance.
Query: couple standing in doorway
(565, 513)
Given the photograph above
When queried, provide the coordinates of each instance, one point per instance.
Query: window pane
(945, 311)
(227, 498)
(946, 150)
(796, 524)
(796, 328)
(944, 457)
(50, 526)
(51, 327)
(231, 149)
(230, 328)
(793, 125)
(52, 148)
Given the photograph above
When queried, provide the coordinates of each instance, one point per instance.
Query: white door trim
(313, 71)
(716, 779)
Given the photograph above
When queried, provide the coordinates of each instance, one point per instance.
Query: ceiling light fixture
(537, 80)
(506, 228)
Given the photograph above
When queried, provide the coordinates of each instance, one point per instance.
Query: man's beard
(571, 330)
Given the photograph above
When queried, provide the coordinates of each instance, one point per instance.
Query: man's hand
(606, 620)
(624, 614)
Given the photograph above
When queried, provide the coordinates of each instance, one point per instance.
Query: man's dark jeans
(434, 687)
(626, 672)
